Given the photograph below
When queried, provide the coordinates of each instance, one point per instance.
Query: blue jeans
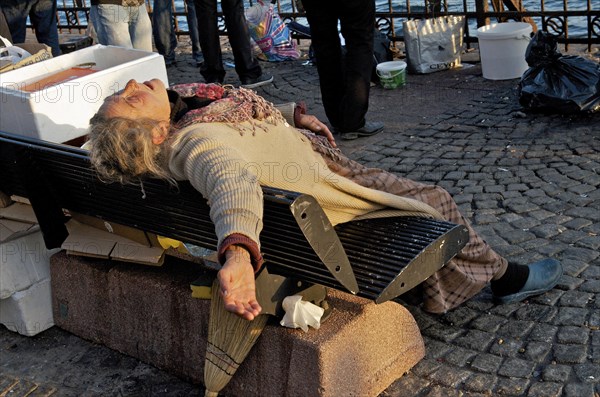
(163, 30)
(128, 27)
(42, 14)
(192, 21)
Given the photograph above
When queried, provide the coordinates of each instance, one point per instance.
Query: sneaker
(257, 82)
(369, 129)
(199, 59)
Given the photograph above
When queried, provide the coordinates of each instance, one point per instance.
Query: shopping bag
(270, 33)
(10, 54)
(556, 82)
(433, 44)
(16, 56)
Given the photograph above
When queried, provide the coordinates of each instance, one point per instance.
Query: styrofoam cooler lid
(502, 31)
(391, 66)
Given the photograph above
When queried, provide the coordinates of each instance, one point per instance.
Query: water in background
(577, 25)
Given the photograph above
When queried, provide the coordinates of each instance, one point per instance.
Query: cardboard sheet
(89, 241)
(137, 235)
(18, 212)
(10, 230)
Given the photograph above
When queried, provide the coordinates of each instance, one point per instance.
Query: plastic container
(502, 49)
(392, 74)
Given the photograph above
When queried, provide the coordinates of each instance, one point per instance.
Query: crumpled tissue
(301, 314)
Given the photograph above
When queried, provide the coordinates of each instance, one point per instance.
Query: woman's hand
(313, 124)
(238, 288)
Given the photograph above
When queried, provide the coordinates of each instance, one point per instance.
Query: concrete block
(24, 261)
(28, 312)
(148, 313)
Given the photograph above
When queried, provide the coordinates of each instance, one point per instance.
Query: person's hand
(238, 287)
(313, 124)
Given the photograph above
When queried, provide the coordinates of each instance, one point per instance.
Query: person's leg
(475, 266)
(246, 65)
(110, 22)
(163, 30)
(4, 30)
(322, 17)
(208, 32)
(192, 21)
(140, 28)
(465, 275)
(357, 18)
(43, 19)
(15, 12)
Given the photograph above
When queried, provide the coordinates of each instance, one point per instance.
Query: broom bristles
(230, 339)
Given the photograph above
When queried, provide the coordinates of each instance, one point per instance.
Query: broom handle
(208, 393)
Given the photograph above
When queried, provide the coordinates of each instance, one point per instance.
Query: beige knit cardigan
(228, 167)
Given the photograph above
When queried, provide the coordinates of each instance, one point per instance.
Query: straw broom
(230, 339)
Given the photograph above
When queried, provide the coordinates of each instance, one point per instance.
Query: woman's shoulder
(203, 133)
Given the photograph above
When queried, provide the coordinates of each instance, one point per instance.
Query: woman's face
(148, 100)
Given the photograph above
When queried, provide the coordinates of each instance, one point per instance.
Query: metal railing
(73, 15)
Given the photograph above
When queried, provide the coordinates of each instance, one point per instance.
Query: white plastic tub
(62, 112)
(502, 49)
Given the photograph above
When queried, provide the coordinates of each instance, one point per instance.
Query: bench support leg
(272, 289)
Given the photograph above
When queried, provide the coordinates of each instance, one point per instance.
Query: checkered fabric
(466, 274)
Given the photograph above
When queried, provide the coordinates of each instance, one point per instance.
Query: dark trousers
(345, 81)
(212, 70)
(42, 14)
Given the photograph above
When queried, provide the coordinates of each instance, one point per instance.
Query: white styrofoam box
(23, 262)
(62, 112)
(28, 312)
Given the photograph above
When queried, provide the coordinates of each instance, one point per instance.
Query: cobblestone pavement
(529, 182)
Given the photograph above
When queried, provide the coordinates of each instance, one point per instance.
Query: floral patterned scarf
(229, 105)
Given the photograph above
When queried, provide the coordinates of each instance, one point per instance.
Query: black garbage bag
(556, 82)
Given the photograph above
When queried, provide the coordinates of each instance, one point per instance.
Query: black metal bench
(378, 259)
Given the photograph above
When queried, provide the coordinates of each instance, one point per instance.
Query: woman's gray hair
(121, 150)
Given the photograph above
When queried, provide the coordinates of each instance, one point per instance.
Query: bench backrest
(297, 239)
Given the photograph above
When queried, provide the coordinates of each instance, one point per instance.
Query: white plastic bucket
(502, 49)
(392, 74)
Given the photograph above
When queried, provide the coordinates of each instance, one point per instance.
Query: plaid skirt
(463, 276)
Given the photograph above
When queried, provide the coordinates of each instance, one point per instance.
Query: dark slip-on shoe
(369, 129)
(257, 82)
(543, 276)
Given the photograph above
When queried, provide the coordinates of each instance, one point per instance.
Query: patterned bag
(270, 33)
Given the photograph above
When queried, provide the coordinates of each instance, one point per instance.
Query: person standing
(192, 21)
(42, 14)
(4, 30)
(246, 65)
(163, 30)
(345, 80)
(123, 23)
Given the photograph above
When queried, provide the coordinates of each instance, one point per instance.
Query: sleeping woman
(229, 141)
